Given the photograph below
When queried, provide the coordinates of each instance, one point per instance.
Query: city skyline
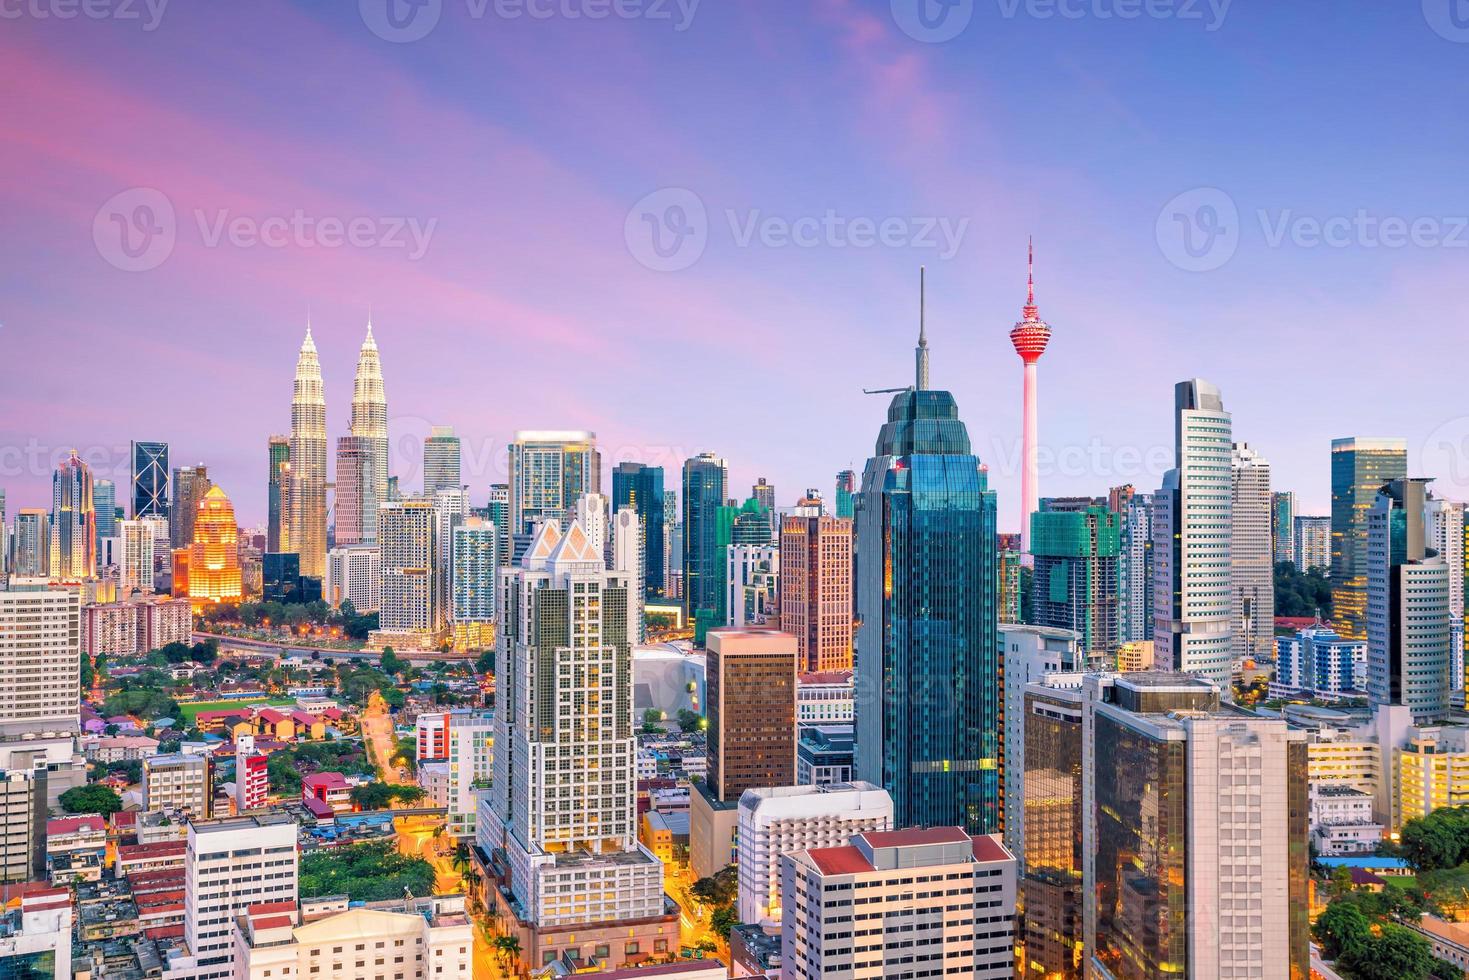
(518, 236)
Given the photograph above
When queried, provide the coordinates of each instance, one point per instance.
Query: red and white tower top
(1031, 334)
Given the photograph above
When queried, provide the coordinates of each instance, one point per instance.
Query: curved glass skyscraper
(928, 669)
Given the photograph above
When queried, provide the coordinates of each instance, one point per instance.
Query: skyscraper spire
(308, 462)
(921, 353)
(370, 423)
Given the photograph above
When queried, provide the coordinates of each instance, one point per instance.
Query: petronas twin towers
(362, 458)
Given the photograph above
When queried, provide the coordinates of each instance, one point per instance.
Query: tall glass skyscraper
(278, 493)
(150, 479)
(705, 485)
(640, 487)
(104, 501)
(928, 669)
(73, 521)
(1359, 468)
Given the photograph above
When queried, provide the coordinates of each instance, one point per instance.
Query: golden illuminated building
(214, 557)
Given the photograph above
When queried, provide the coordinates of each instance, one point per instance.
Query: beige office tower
(1251, 555)
(1194, 824)
(308, 463)
(816, 589)
(563, 808)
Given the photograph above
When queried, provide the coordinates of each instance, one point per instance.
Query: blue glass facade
(929, 724)
(640, 487)
(705, 484)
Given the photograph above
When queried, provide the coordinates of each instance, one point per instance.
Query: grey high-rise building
(31, 549)
(1409, 628)
(104, 501)
(929, 726)
(499, 512)
(1252, 555)
(1359, 469)
(640, 486)
(150, 479)
(1312, 548)
(73, 521)
(354, 519)
(190, 484)
(441, 461)
(1193, 592)
(705, 486)
(1135, 564)
(549, 472)
(278, 493)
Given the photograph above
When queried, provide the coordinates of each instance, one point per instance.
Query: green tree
(723, 920)
(486, 663)
(392, 664)
(91, 799)
(652, 721)
(720, 888)
(1300, 593)
(1398, 953)
(1340, 927)
(689, 721)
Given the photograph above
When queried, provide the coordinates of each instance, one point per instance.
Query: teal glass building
(928, 680)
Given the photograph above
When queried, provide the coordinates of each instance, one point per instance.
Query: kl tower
(1030, 337)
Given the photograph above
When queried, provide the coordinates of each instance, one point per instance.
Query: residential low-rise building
(900, 903)
(178, 784)
(780, 820)
(273, 940)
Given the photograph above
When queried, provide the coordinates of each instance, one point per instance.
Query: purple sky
(524, 150)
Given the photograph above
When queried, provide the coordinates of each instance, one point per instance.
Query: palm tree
(507, 950)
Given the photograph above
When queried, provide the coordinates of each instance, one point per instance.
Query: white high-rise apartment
(591, 513)
(135, 561)
(565, 752)
(354, 573)
(412, 609)
(1313, 543)
(1252, 555)
(441, 461)
(1409, 631)
(471, 764)
(628, 554)
(1136, 568)
(1445, 529)
(752, 583)
(549, 471)
(781, 820)
(308, 462)
(231, 864)
(473, 557)
(40, 661)
(1193, 585)
(900, 903)
(370, 425)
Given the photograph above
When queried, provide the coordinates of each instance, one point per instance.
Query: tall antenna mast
(921, 354)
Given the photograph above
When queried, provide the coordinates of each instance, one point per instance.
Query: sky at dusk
(698, 226)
